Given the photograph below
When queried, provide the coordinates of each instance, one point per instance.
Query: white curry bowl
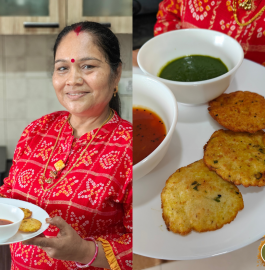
(11, 213)
(154, 95)
(160, 50)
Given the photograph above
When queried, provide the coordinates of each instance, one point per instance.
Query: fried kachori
(240, 111)
(30, 225)
(195, 198)
(238, 157)
(27, 212)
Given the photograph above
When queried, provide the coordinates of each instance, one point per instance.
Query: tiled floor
(242, 259)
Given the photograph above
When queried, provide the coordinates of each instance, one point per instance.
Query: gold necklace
(43, 176)
(246, 5)
(251, 20)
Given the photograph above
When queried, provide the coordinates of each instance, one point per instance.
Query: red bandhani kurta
(216, 15)
(95, 198)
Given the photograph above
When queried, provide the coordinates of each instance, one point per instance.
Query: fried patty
(27, 212)
(30, 225)
(239, 111)
(238, 157)
(196, 198)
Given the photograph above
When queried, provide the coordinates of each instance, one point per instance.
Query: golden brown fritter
(196, 198)
(27, 212)
(239, 111)
(238, 157)
(30, 225)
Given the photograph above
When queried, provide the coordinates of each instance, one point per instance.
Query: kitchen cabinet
(43, 16)
(22, 17)
(117, 13)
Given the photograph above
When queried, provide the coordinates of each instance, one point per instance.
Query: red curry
(148, 132)
(5, 222)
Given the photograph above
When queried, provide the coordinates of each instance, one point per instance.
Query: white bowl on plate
(154, 95)
(158, 51)
(11, 213)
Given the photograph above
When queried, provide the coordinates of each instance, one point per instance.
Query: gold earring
(116, 91)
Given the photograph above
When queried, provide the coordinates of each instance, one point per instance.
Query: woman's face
(81, 77)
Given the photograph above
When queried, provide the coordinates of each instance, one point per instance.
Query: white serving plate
(37, 213)
(195, 127)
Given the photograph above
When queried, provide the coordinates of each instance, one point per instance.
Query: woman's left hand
(67, 245)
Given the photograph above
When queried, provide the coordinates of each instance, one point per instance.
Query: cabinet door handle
(49, 25)
(40, 25)
(106, 24)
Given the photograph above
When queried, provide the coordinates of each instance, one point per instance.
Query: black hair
(106, 41)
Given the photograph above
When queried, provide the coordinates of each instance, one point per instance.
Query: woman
(242, 20)
(77, 165)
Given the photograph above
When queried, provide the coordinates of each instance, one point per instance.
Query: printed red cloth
(216, 15)
(95, 198)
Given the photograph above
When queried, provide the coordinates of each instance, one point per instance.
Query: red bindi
(78, 29)
(73, 60)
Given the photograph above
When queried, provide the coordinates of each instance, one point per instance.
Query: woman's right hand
(68, 245)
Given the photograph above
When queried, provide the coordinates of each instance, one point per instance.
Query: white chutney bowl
(160, 50)
(154, 95)
(11, 213)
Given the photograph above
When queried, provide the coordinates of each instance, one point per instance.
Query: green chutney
(193, 68)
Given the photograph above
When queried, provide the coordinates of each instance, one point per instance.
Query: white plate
(194, 128)
(37, 213)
